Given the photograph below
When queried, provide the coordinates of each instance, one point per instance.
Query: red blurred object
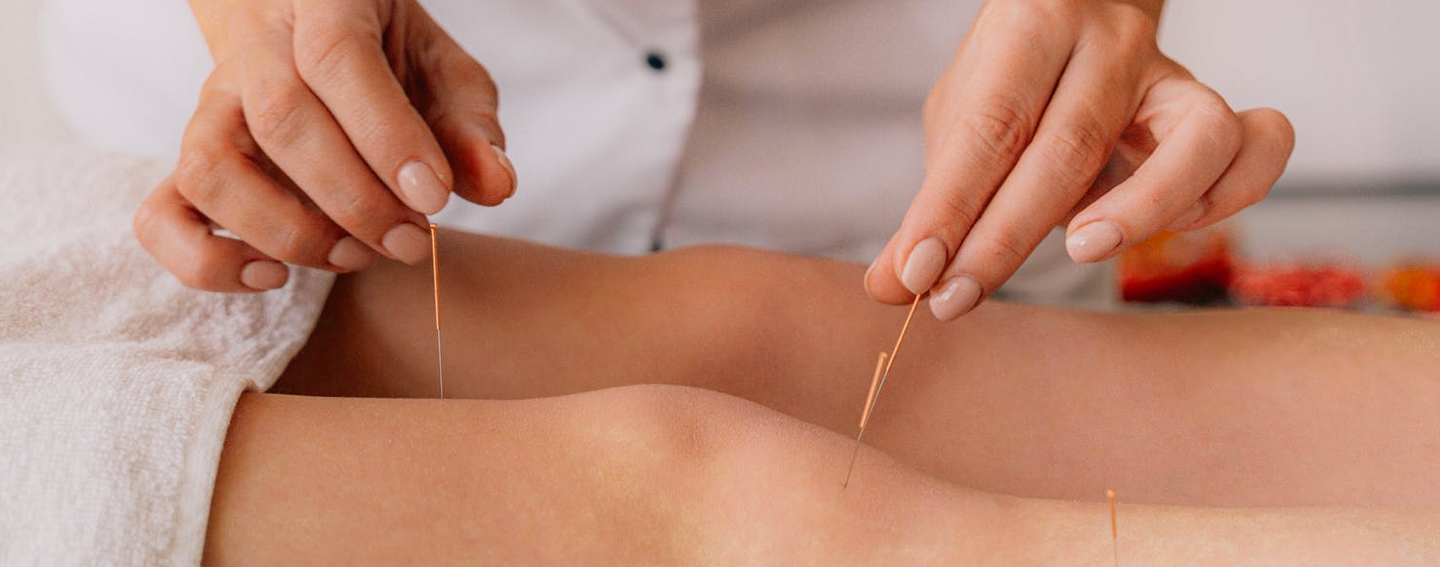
(1299, 285)
(1414, 286)
(1189, 267)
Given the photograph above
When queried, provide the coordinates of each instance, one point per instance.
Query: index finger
(999, 108)
(339, 55)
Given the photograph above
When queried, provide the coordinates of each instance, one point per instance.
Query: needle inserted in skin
(877, 384)
(1114, 526)
(435, 277)
(865, 417)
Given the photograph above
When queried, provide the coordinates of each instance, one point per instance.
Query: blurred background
(1359, 80)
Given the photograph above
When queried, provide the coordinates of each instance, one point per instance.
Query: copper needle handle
(874, 385)
(435, 280)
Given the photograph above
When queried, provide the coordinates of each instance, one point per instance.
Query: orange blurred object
(1413, 286)
(1189, 267)
(1328, 284)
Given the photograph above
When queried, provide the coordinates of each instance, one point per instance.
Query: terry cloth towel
(116, 382)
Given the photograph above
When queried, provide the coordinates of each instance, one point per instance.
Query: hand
(1059, 112)
(326, 130)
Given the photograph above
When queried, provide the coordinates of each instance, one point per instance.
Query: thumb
(459, 101)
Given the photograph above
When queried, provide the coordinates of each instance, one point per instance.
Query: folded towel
(116, 382)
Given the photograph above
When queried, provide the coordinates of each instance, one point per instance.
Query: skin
(1066, 113)
(1052, 111)
(1210, 408)
(663, 474)
(326, 131)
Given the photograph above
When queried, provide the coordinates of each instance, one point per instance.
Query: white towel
(116, 382)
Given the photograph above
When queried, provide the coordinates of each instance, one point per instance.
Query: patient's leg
(647, 475)
(1234, 408)
(678, 476)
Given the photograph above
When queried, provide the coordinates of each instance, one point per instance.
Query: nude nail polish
(421, 188)
(264, 274)
(926, 261)
(509, 168)
(1093, 241)
(957, 297)
(350, 254)
(408, 243)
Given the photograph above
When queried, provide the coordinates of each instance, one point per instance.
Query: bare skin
(1257, 408)
(977, 433)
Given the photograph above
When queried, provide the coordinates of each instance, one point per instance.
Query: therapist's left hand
(1065, 112)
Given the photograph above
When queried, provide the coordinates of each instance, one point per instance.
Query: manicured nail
(926, 261)
(1093, 241)
(350, 254)
(408, 243)
(866, 281)
(957, 297)
(1184, 221)
(264, 274)
(421, 188)
(509, 168)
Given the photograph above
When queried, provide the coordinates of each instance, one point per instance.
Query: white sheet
(116, 382)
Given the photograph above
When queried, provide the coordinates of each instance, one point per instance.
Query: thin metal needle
(435, 277)
(878, 386)
(865, 417)
(1114, 525)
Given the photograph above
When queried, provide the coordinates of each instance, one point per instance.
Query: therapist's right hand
(325, 132)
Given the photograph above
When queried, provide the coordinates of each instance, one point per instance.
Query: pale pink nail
(926, 261)
(509, 168)
(350, 254)
(421, 188)
(264, 274)
(1093, 241)
(957, 297)
(408, 243)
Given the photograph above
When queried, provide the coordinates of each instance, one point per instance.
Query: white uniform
(800, 132)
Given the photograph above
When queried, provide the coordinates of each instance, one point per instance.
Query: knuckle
(960, 209)
(296, 243)
(273, 111)
(1132, 24)
(324, 54)
(1005, 249)
(1001, 127)
(197, 175)
(362, 213)
(1223, 128)
(1078, 153)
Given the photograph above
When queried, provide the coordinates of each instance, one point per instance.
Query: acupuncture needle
(1114, 525)
(878, 386)
(435, 278)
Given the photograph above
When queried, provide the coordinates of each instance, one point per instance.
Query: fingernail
(1184, 221)
(350, 254)
(1093, 241)
(408, 243)
(264, 274)
(421, 188)
(926, 261)
(509, 168)
(957, 297)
